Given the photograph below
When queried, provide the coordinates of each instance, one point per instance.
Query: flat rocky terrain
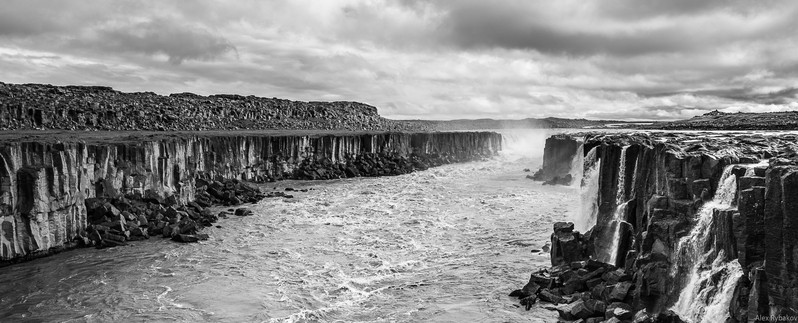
(716, 120)
(43, 107)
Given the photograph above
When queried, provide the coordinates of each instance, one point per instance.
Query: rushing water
(447, 244)
(589, 192)
(619, 214)
(712, 277)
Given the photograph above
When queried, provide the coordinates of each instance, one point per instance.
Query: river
(446, 245)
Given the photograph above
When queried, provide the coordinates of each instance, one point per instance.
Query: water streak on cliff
(589, 192)
(712, 276)
(578, 166)
(621, 202)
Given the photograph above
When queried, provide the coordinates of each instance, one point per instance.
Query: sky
(420, 59)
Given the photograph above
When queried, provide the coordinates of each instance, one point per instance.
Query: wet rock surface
(558, 153)
(666, 179)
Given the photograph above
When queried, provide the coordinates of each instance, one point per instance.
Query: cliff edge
(40, 106)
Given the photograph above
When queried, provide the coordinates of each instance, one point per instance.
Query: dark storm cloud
(474, 26)
(621, 28)
(160, 36)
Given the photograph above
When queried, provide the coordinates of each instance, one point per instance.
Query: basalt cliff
(91, 166)
(57, 194)
(695, 227)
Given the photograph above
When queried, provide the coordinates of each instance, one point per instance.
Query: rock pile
(39, 106)
(227, 193)
(371, 165)
(116, 221)
(583, 289)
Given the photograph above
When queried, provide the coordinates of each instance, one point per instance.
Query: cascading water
(711, 278)
(578, 165)
(523, 143)
(589, 192)
(619, 215)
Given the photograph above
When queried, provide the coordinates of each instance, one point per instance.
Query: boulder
(243, 212)
(547, 296)
(588, 308)
(185, 238)
(618, 310)
(668, 317)
(620, 291)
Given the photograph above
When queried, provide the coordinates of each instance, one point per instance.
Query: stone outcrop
(38, 106)
(558, 153)
(50, 191)
(666, 180)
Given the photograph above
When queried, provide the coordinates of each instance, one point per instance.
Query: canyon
(677, 226)
(51, 183)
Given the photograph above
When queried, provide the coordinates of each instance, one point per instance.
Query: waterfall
(520, 144)
(621, 202)
(621, 190)
(578, 165)
(617, 219)
(711, 277)
(589, 192)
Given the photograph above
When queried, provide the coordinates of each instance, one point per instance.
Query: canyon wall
(44, 184)
(704, 224)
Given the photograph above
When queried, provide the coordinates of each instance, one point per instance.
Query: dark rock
(642, 316)
(620, 291)
(541, 279)
(668, 317)
(621, 311)
(563, 227)
(185, 238)
(528, 301)
(588, 308)
(547, 296)
(243, 212)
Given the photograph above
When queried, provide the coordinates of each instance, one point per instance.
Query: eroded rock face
(45, 188)
(558, 154)
(665, 181)
(39, 106)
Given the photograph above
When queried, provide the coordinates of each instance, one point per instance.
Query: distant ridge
(49, 107)
(717, 120)
(528, 123)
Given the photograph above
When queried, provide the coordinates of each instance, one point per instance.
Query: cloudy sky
(615, 59)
